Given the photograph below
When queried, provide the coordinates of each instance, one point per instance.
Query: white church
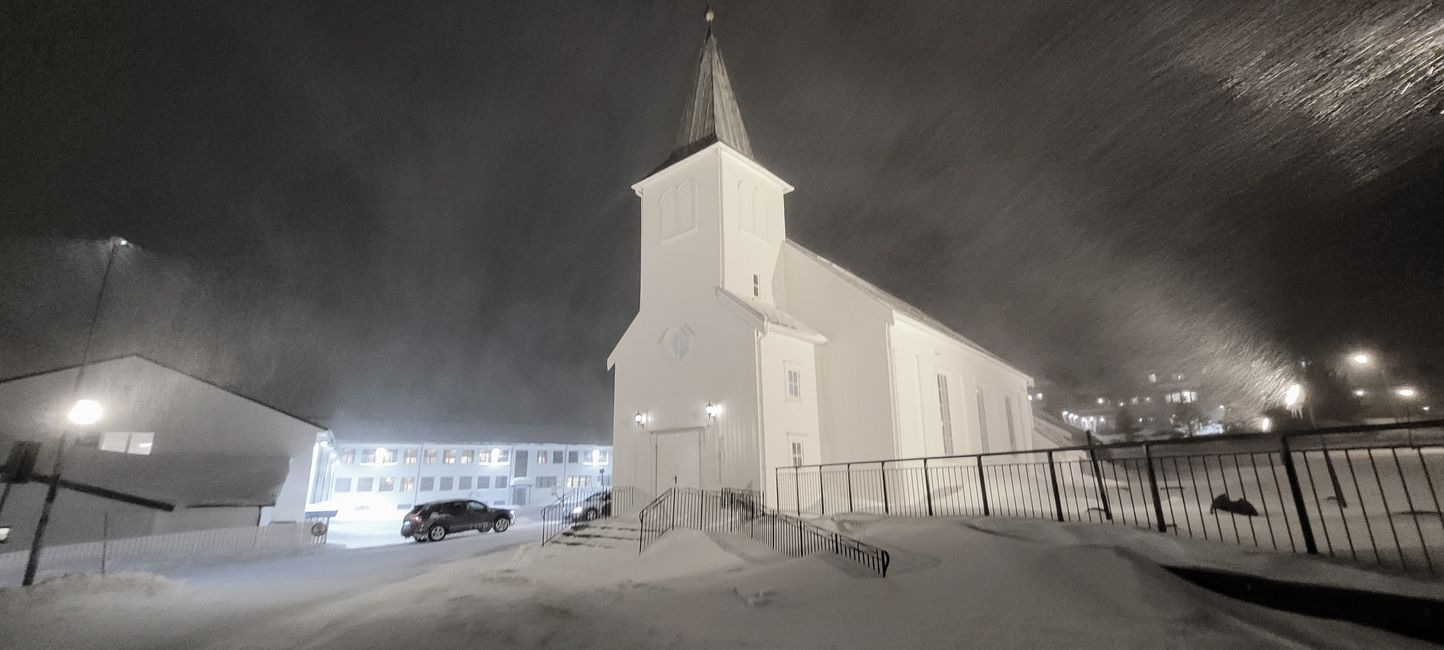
(750, 352)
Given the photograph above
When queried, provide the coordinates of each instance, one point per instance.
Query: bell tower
(711, 215)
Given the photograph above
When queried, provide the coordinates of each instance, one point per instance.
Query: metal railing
(586, 504)
(1368, 494)
(134, 553)
(742, 512)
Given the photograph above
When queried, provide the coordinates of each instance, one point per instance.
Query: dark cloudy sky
(421, 210)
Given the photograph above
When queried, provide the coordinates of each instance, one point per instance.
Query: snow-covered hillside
(953, 583)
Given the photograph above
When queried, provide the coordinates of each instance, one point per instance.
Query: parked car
(432, 522)
(592, 507)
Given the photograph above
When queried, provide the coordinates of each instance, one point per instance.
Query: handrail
(558, 517)
(741, 512)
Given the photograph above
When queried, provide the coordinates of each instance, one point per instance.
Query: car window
(476, 505)
(455, 508)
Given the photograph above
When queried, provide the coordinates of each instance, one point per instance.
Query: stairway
(602, 533)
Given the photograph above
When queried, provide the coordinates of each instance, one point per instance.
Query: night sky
(422, 211)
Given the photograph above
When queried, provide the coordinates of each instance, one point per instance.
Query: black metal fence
(1369, 494)
(742, 512)
(587, 504)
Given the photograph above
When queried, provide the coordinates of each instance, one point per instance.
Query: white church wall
(788, 419)
(853, 373)
(925, 353)
(672, 393)
(681, 224)
(753, 226)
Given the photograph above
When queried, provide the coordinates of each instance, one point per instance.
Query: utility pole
(37, 543)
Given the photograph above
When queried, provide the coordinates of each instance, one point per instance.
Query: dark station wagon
(432, 522)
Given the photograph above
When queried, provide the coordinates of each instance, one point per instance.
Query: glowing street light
(1407, 392)
(1293, 396)
(1360, 358)
(1266, 424)
(85, 412)
(1359, 392)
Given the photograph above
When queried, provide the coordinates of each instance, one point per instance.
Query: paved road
(318, 573)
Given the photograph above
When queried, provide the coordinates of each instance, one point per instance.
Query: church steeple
(711, 113)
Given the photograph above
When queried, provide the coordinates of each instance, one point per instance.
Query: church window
(982, 420)
(794, 384)
(677, 341)
(796, 454)
(677, 211)
(945, 412)
(1012, 425)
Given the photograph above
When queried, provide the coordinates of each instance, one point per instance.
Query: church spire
(711, 113)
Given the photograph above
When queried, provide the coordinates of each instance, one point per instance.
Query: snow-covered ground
(954, 582)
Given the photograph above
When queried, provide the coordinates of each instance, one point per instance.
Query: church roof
(773, 317)
(711, 114)
(895, 303)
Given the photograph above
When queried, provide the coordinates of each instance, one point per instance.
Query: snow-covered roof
(145, 359)
(772, 316)
(895, 303)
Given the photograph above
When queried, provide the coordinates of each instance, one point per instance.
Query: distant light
(1100, 400)
(639, 418)
(1266, 425)
(1030, 398)
(1359, 392)
(1360, 358)
(1407, 392)
(121, 241)
(712, 410)
(1293, 396)
(1426, 409)
(86, 411)
(1040, 396)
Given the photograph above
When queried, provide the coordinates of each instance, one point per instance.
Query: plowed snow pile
(952, 585)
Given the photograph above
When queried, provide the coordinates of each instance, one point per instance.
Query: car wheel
(485, 527)
(436, 533)
(589, 515)
(501, 525)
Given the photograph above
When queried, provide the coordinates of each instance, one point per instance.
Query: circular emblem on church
(677, 342)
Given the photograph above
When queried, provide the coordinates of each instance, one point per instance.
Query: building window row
(428, 483)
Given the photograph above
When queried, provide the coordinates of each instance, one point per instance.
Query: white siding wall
(856, 420)
(920, 353)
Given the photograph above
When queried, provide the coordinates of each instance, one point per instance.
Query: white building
(223, 459)
(369, 479)
(750, 352)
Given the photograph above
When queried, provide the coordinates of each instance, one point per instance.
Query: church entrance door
(678, 457)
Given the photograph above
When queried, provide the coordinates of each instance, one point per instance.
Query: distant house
(223, 459)
(750, 352)
(380, 467)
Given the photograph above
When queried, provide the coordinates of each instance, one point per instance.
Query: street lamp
(1360, 358)
(85, 412)
(1406, 392)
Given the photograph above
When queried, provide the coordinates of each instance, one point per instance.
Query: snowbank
(954, 583)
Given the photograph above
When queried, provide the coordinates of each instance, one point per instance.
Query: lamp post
(1366, 360)
(84, 413)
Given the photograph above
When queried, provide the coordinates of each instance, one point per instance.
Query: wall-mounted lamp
(712, 410)
(640, 418)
